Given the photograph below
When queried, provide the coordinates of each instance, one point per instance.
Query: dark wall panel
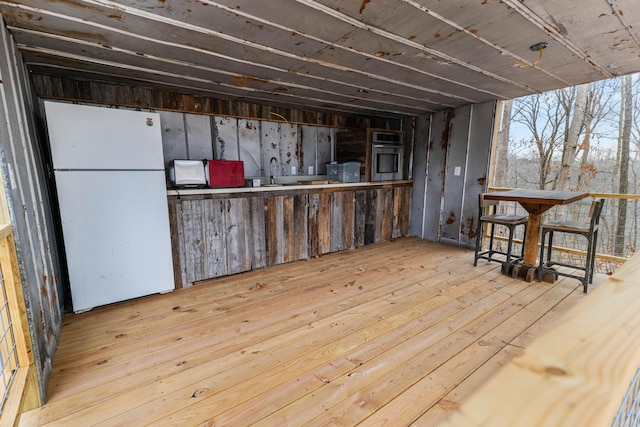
(29, 203)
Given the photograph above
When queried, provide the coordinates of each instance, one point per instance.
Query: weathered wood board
(221, 235)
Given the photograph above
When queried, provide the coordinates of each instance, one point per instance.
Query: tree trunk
(570, 148)
(623, 187)
(501, 160)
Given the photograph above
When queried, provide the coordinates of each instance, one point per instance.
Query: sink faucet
(271, 169)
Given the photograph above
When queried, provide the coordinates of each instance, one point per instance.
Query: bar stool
(488, 215)
(589, 231)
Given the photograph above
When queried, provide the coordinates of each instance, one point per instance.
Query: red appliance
(225, 173)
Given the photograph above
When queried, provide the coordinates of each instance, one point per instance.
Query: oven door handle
(387, 145)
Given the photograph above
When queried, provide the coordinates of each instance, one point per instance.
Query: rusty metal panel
(30, 213)
(290, 146)
(198, 136)
(326, 138)
(174, 143)
(420, 158)
(270, 140)
(437, 154)
(309, 156)
(455, 173)
(480, 144)
(226, 134)
(249, 144)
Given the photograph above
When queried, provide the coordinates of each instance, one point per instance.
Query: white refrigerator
(110, 180)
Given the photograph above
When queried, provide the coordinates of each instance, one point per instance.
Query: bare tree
(574, 103)
(543, 117)
(599, 107)
(624, 142)
(501, 159)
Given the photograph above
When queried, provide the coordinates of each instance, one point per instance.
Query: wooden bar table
(535, 202)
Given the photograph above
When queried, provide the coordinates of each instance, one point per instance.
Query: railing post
(25, 391)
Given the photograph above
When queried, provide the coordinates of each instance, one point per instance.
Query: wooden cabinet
(219, 234)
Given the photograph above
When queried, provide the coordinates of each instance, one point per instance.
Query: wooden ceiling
(379, 57)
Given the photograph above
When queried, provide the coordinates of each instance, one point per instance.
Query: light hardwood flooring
(391, 334)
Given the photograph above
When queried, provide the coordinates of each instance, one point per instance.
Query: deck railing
(608, 256)
(583, 372)
(18, 385)
(629, 413)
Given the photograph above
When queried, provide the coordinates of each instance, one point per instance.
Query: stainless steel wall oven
(380, 151)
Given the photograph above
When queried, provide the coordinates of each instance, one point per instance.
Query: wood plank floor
(391, 334)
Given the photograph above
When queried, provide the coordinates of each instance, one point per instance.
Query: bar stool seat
(488, 215)
(588, 231)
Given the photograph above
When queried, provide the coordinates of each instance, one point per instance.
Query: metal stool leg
(478, 242)
(542, 263)
(524, 240)
(493, 229)
(509, 245)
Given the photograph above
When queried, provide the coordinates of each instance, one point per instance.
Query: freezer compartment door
(85, 137)
(116, 235)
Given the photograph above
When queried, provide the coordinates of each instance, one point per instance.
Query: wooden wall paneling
(270, 143)
(348, 216)
(215, 242)
(172, 101)
(395, 220)
(359, 218)
(250, 149)
(324, 222)
(256, 242)
(198, 137)
(48, 86)
(370, 217)
(324, 150)
(193, 241)
(105, 93)
(142, 96)
(404, 210)
(226, 138)
(174, 144)
(378, 215)
(274, 230)
(236, 235)
(177, 243)
(124, 95)
(188, 102)
(301, 226)
(288, 228)
(314, 244)
(290, 148)
(336, 221)
(203, 104)
(387, 207)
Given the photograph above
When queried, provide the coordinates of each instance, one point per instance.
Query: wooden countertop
(287, 187)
